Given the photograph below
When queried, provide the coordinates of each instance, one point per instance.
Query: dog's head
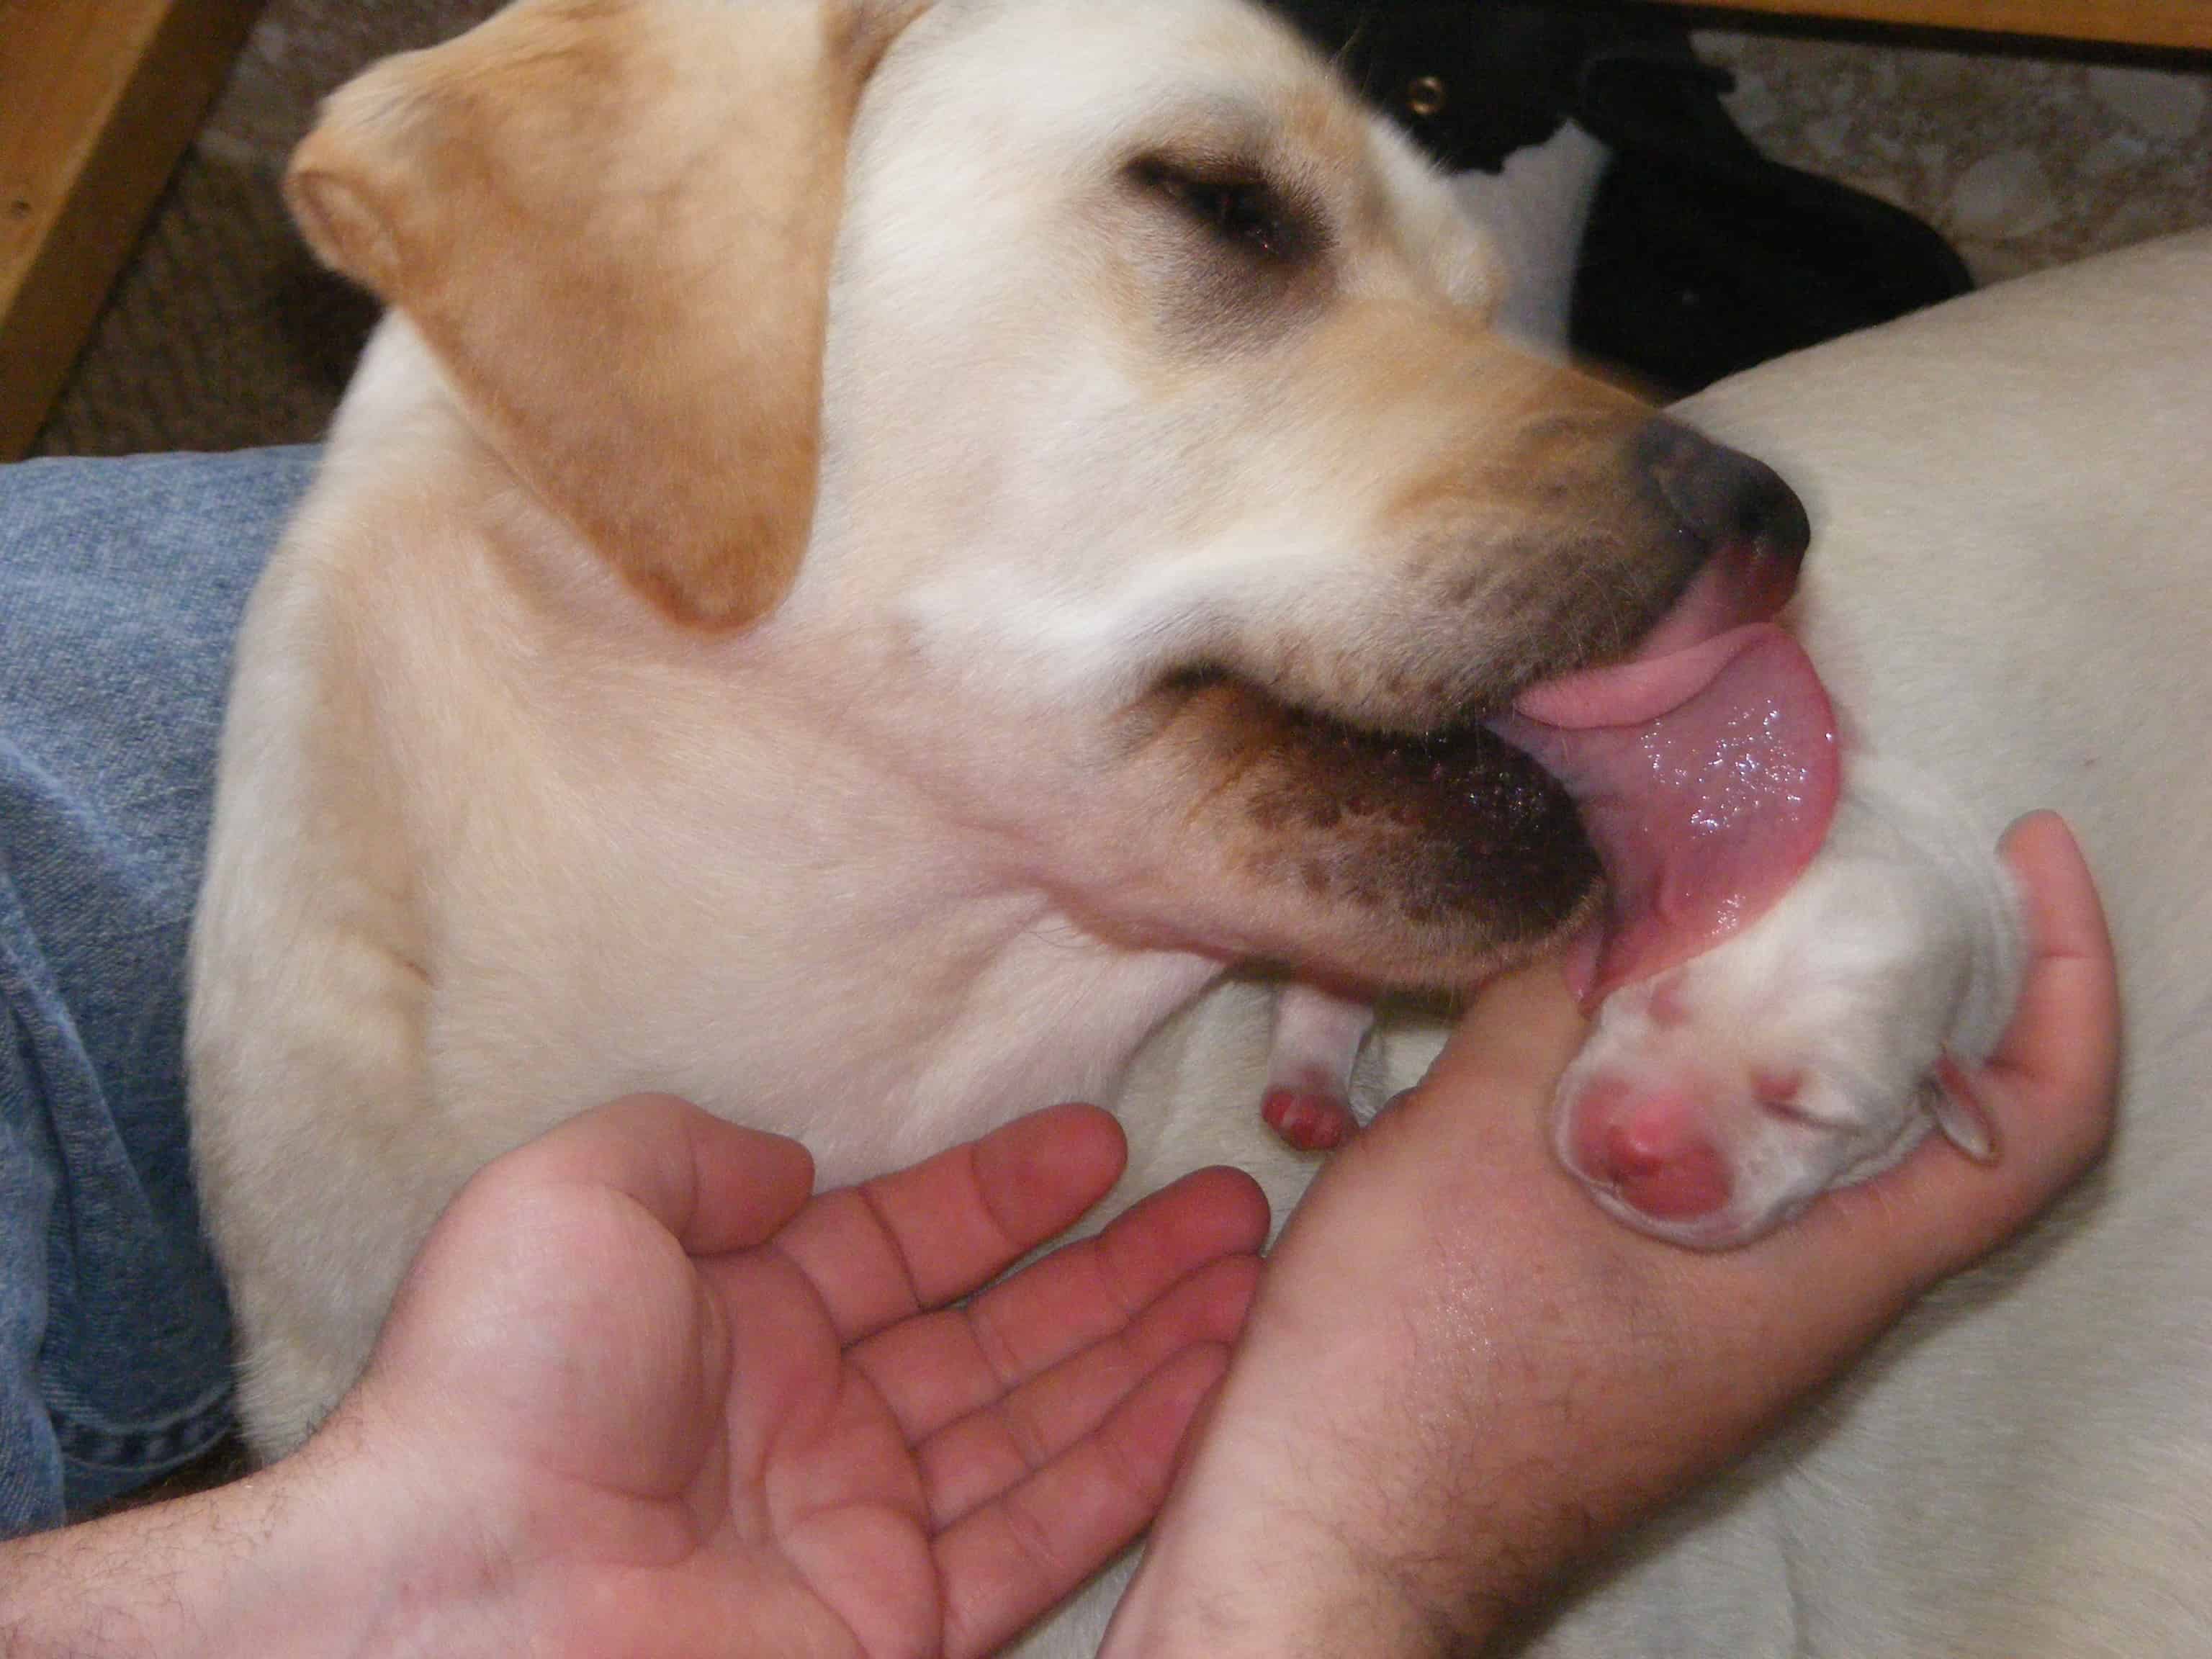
(1096, 398)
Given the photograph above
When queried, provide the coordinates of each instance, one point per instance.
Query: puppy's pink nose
(1649, 1147)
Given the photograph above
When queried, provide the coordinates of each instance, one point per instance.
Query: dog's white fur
(489, 819)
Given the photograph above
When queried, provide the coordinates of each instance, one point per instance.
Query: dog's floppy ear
(612, 220)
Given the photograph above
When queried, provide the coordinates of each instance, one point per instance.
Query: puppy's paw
(1309, 1121)
(1317, 1038)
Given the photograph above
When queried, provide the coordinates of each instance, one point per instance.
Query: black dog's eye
(1241, 209)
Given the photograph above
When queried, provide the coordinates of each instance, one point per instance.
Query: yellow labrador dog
(874, 557)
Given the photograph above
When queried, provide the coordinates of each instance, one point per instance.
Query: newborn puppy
(1794, 973)
(1813, 1049)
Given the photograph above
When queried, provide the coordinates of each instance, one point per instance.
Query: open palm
(687, 1410)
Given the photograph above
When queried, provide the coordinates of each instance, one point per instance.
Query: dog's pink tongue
(1706, 776)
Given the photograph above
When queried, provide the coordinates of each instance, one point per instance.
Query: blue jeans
(121, 586)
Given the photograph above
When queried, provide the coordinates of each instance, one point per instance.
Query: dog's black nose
(1726, 497)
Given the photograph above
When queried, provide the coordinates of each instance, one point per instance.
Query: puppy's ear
(612, 220)
(1954, 1096)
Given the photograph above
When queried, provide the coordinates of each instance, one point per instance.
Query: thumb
(715, 1185)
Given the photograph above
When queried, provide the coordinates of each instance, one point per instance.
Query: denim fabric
(121, 586)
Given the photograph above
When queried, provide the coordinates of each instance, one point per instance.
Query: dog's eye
(1241, 209)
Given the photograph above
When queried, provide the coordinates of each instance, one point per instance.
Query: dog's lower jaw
(1356, 859)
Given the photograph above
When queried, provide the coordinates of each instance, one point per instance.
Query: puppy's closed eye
(1237, 205)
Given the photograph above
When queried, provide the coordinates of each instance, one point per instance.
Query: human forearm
(174, 1579)
(290, 1561)
(1281, 1596)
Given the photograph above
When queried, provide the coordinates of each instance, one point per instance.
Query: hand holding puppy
(1461, 1377)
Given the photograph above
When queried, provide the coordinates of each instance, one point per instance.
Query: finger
(715, 1185)
(1006, 1563)
(2062, 1049)
(1504, 1057)
(935, 1369)
(2050, 1088)
(2063, 1044)
(893, 1247)
(1520, 1029)
(987, 1453)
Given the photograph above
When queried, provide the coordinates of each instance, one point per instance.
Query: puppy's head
(1115, 434)
(1813, 1050)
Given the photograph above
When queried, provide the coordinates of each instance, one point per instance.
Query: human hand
(1461, 1377)
(640, 1396)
